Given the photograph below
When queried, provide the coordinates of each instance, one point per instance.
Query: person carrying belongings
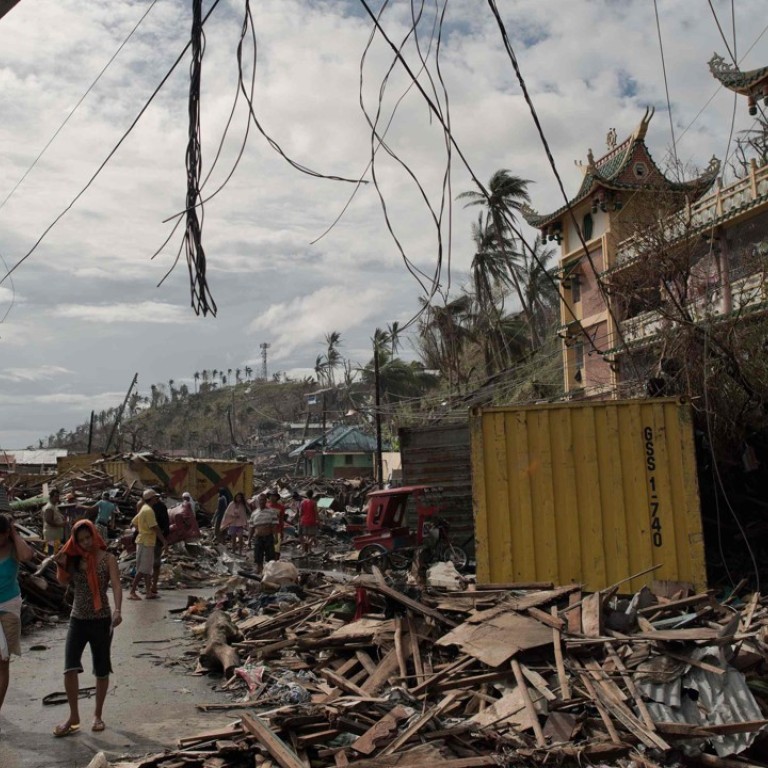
(149, 532)
(261, 533)
(53, 523)
(235, 521)
(84, 563)
(273, 502)
(13, 550)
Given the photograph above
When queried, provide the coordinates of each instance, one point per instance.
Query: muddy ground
(149, 704)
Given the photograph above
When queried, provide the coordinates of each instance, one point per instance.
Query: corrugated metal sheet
(440, 456)
(590, 492)
(700, 697)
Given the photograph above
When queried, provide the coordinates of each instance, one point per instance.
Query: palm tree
(248, 371)
(238, 373)
(443, 335)
(490, 278)
(539, 286)
(393, 331)
(506, 194)
(196, 378)
(326, 365)
(171, 382)
(229, 374)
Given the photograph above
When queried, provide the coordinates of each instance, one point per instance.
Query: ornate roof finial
(611, 139)
(644, 122)
(590, 158)
(718, 64)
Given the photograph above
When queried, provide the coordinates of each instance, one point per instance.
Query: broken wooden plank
(562, 677)
(540, 740)
(380, 731)
(276, 747)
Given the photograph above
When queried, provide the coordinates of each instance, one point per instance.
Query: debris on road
(361, 671)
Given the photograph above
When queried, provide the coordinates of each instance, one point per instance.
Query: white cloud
(306, 319)
(34, 374)
(143, 312)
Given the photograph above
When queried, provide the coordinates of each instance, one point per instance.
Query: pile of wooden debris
(371, 674)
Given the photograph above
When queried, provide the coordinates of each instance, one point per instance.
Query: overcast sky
(87, 312)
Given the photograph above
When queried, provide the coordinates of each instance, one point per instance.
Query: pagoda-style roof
(753, 83)
(626, 167)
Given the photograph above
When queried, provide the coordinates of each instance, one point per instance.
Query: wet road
(148, 707)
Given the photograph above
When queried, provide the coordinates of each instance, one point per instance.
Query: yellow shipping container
(588, 492)
(201, 477)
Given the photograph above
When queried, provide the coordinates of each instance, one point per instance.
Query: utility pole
(322, 455)
(377, 386)
(120, 412)
(90, 432)
(264, 346)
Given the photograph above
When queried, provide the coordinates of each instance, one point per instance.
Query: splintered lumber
(388, 666)
(418, 724)
(562, 677)
(219, 633)
(380, 731)
(380, 585)
(276, 747)
(528, 703)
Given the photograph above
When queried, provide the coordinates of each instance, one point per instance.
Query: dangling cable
(202, 300)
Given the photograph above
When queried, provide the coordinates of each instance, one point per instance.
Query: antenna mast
(264, 346)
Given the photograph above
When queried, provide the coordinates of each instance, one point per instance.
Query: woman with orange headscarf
(84, 563)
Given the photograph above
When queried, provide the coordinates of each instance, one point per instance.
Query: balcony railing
(746, 293)
(714, 209)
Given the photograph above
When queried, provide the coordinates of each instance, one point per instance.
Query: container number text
(653, 503)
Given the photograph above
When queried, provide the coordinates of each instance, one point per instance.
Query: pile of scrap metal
(370, 673)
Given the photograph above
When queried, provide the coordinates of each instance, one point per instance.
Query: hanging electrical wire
(666, 90)
(77, 105)
(457, 149)
(526, 95)
(109, 156)
(202, 300)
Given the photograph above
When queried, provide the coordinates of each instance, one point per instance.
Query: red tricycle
(389, 541)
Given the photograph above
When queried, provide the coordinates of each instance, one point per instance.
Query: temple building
(623, 237)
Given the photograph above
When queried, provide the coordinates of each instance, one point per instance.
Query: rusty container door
(588, 492)
(440, 456)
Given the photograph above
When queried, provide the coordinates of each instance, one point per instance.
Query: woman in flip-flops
(84, 563)
(13, 550)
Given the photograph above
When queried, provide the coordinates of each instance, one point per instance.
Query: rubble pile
(368, 674)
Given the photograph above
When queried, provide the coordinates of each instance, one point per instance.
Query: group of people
(261, 522)
(59, 518)
(78, 548)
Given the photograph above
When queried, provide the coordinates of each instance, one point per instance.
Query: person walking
(105, 515)
(273, 502)
(261, 533)
(235, 521)
(53, 523)
(164, 524)
(225, 498)
(308, 521)
(84, 563)
(13, 550)
(149, 532)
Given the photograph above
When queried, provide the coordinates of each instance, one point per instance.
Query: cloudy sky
(84, 311)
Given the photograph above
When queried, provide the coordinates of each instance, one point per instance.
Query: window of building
(587, 226)
(575, 288)
(578, 357)
(349, 459)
